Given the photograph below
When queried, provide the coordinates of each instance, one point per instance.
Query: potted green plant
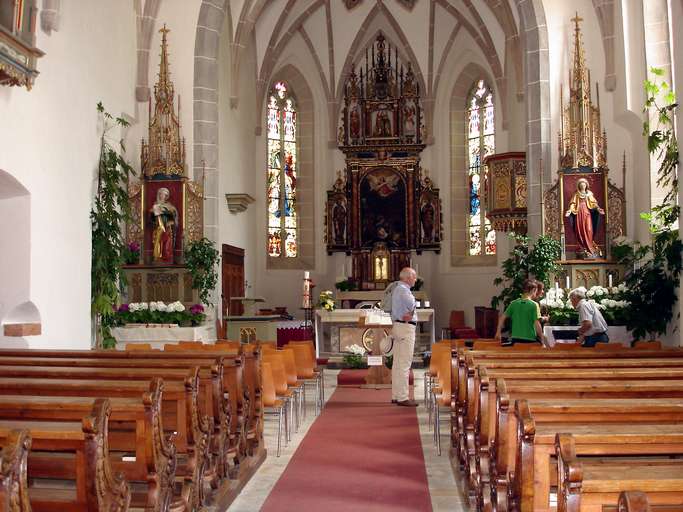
(201, 259)
(111, 208)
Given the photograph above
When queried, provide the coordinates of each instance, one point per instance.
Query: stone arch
(534, 32)
(457, 135)
(18, 315)
(303, 94)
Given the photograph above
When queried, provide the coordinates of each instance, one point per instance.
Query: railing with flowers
(610, 301)
(159, 313)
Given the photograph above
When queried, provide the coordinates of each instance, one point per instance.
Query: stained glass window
(281, 122)
(480, 144)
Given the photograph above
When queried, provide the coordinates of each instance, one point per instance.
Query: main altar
(383, 206)
(166, 206)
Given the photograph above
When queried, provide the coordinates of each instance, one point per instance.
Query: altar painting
(383, 209)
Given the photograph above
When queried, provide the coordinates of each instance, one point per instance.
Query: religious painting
(584, 213)
(383, 208)
(163, 216)
(381, 122)
(410, 119)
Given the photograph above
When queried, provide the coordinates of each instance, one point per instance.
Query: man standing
(403, 332)
(593, 328)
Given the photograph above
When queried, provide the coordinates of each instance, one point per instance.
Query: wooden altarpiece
(382, 206)
(167, 207)
(583, 184)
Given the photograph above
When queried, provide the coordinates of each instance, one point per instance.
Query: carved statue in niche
(339, 222)
(382, 125)
(354, 122)
(164, 218)
(584, 215)
(427, 215)
(409, 118)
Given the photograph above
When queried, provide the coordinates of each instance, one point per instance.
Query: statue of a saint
(427, 217)
(354, 124)
(339, 222)
(584, 215)
(165, 223)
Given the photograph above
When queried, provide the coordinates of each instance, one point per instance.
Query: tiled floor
(446, 494)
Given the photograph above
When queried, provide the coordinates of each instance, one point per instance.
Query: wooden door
(233, 279)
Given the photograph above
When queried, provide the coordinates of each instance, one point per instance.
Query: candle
(557, 287)
(307, 274)
(426, 303)
(567, 281)
(609, 279)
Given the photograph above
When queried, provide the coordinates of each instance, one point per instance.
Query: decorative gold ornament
(164, 153)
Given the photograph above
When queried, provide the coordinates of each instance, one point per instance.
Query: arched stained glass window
(281, 121)
(480, 144)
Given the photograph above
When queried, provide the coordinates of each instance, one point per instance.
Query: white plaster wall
(50, 143)
(283, 287)
(237, 170)
(15, 256)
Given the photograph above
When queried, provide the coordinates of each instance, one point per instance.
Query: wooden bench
(633, 426)
(180, 413)
(79, 453)
(586, 485)
(135, 428)
(13, 479)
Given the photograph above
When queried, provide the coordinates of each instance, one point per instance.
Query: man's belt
(404, 322)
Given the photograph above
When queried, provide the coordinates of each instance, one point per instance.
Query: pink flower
(196, 309)
(134, 247)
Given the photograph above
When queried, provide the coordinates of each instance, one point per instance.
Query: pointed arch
(460, 255)
(305, 176)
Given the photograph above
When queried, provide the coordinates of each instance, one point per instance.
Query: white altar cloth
(351, 316)
(158, 336)
(616, 333)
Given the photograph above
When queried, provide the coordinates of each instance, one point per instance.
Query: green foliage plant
(655, 277)
(201, 260)
(526, 261)
(354, 361)
(110, 210)
(346, 285)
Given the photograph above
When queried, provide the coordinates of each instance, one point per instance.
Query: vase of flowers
(326, 301)
(174, 313)
(132, 253)
(354, 357)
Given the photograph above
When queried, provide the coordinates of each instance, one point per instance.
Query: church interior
(252, 189)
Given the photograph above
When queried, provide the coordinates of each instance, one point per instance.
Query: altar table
(350, 317)
(159, 336)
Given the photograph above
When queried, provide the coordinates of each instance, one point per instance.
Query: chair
(282, 390)
(440, 352)
(271, 404)
(138, 346)
(441, 396)
(292, 381)
(319, 369)
(306, 373)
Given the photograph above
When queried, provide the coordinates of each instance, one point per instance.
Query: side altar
(583, 209)
(166, 206)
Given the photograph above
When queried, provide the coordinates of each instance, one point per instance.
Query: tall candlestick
(307, 274)
(609, 279)
(557, 287)
(567, 281)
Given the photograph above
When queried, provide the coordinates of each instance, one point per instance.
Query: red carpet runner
(363, 453)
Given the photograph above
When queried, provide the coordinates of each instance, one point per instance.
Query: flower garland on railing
(159, 313)
(610, 301)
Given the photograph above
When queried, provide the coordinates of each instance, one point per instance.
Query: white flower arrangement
(355, 349)
(326, 300)
(610, 300)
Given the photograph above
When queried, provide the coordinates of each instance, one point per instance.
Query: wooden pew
(245, 449)
(81, 455)
(586, 485)
(135, 426)
(491, 413)
(181, 413)
(13, 480)
(633, 420)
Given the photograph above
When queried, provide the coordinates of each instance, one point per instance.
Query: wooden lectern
(377, 375)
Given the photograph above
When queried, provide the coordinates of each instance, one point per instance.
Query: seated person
(524, 315)
(593, 328)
